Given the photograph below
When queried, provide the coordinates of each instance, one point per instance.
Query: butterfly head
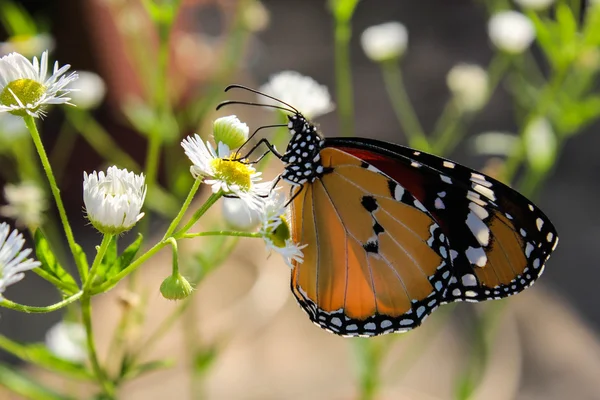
(302, 159)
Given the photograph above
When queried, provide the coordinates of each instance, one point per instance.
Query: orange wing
(376, 261)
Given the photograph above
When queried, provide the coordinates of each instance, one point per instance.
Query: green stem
(111, 282)
(222, 233)
(407, 117)
(343, 76)
(199, 213)
(38, 310)
(55, 191)
(86, 313)
(106, 239)
(184, 207)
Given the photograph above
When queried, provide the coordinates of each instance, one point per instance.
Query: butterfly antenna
(236, 86)
(248, 103)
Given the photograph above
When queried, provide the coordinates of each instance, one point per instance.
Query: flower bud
(384, 42)
(238, 215)
(230, 131)
(88, 91)
(537, 5)
(175, 287)
(511, 31)
(469, 84)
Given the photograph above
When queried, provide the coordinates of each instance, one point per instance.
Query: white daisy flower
(511, 31)
(275, 230)
(302, 92)
(66, 340)
(88, 90)
(27, 45)
(223, 174)
(535, 4)
(26, 204)
(25, 87)
(469, 85)
(385, 41)
(113, 201)
(230, 131)
(13, 261)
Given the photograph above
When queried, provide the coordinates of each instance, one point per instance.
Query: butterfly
(392, 233)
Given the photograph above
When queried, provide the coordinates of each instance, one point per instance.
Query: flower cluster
(249, 201)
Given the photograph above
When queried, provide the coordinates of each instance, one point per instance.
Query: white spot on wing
(439, 204)
(448, 164)
(528, 249)
(445, 178)
(479, 211)
(476, 256)
(539, 223)
(385, 323)
(480, 179)
(479, 229)
(550, 236)
(469, 280)
(398, 193)
(484, 191)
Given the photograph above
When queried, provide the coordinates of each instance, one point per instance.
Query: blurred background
(249, 339)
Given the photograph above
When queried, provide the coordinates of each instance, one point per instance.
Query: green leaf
(546, 36)
(39, 354)
(25, 386)
(566, 23)
(125, 258)
(16, 20)
(591, 28)
(50, 269)
(81, 258)
(572, 116)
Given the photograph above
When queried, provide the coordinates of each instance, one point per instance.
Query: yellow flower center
(27, 91)
(280, 234)
(233, 172)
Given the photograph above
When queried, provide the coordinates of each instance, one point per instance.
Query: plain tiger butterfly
(392, 233)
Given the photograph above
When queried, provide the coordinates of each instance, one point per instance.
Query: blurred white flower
(27, 45)
(535, 4)
(299, 91)
(540, 144)
(12, 128)
(275, 230)
(88, 91)
(26, 204)
(511, 31)
(66, 340)
(230, 176)
(469, 85)
(238, 215)
(230, 131)
(25, 87)
(256, 16)
(495, 143)
(13, 258)
(385, 42)
(113, 201)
